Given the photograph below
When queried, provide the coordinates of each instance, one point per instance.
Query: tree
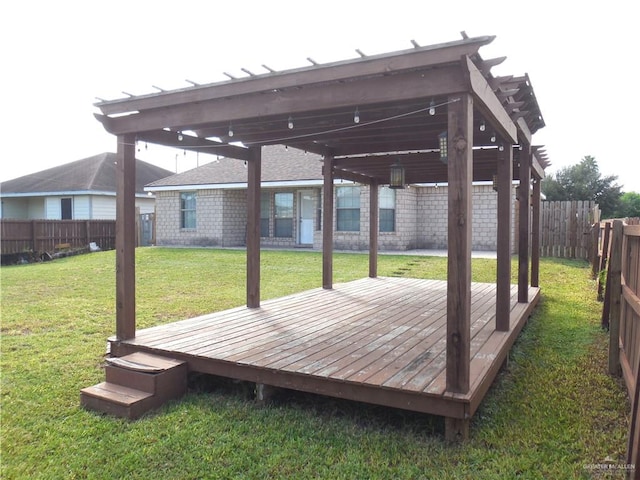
(584, 182)
(629, 205)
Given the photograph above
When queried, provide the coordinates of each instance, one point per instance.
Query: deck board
(384, 335)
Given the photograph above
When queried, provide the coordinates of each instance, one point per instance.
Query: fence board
(566, 228)
(39, 236)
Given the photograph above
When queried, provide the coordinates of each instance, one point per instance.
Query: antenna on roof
(415, 44)
(360, 53)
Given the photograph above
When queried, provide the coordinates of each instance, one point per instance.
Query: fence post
(595, 258)
(615, 287)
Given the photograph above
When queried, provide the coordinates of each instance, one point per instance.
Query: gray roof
(97, 173)
(278, 164)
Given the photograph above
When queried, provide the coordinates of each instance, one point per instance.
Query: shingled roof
(279, 164)
(93, 174)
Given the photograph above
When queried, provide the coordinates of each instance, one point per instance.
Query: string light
(336, 130)
(501, 148)
(290, 123)
(356, 116)
(432, 108)
(493, 138)
(180, 137)
(483, 127)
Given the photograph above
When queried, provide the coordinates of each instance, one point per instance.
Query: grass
(552, 411)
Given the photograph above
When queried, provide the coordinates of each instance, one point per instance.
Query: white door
(306, 207)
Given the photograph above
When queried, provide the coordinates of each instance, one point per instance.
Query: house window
(66, 208)
(348, 209)
(188, 210)
(265, 209)
(387, 205)
(284, 215)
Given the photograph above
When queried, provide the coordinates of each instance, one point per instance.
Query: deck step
(116, 400)
(135, 384)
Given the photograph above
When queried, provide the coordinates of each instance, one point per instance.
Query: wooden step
(165, 377)
(117, 400)
(135, 384)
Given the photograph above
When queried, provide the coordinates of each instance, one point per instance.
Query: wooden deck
(375, 340)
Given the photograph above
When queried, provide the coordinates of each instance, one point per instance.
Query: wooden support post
(614, 291)
(253, 226)
(523, 224)
(126, 238)
(536, 200)
(456, 430)
(327, 224)
(503, 281)
(460, 175)
(373, 228)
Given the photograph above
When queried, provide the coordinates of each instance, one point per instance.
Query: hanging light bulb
(356, 116)
(432, 108)
(483, 127)
(180, 137)
(501, 148)
(493, 138)
(230, 130)
(146, 146)
(290, 123)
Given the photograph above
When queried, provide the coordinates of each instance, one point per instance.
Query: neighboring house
(207, 206)
(80, 190)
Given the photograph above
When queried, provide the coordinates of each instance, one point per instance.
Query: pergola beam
(403, 86)
(488, 102)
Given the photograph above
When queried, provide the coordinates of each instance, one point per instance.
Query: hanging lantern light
(442, 140)
(396, 176)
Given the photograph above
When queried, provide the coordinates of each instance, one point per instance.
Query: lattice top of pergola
(367, 112)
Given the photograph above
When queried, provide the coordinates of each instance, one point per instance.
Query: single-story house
(207, 206)
(80, 190)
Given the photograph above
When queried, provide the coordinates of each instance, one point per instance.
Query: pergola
(363, 116)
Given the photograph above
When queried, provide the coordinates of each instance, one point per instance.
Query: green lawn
(552, 411)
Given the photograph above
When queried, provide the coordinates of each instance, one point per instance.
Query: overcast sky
(58, 56)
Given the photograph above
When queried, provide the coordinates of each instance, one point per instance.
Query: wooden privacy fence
(39, 236)
(565, 228)
(621, 313)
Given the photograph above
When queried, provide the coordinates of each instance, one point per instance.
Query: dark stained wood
(194, 144)
(523, 224)
(327, 223)
(488, 103)
(332, 72)
(126, 238)
(253, 227)
(378, 340)
(405, 86)
(460, 131)
(536, 200)
(505, 210)
(373, 229)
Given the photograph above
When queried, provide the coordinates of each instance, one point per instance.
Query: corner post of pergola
(536, 200)
(327, 223)
(373, 228)
(126, 238)
(503, 280)
(524, 210)
(253, 226)
(460, 176)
